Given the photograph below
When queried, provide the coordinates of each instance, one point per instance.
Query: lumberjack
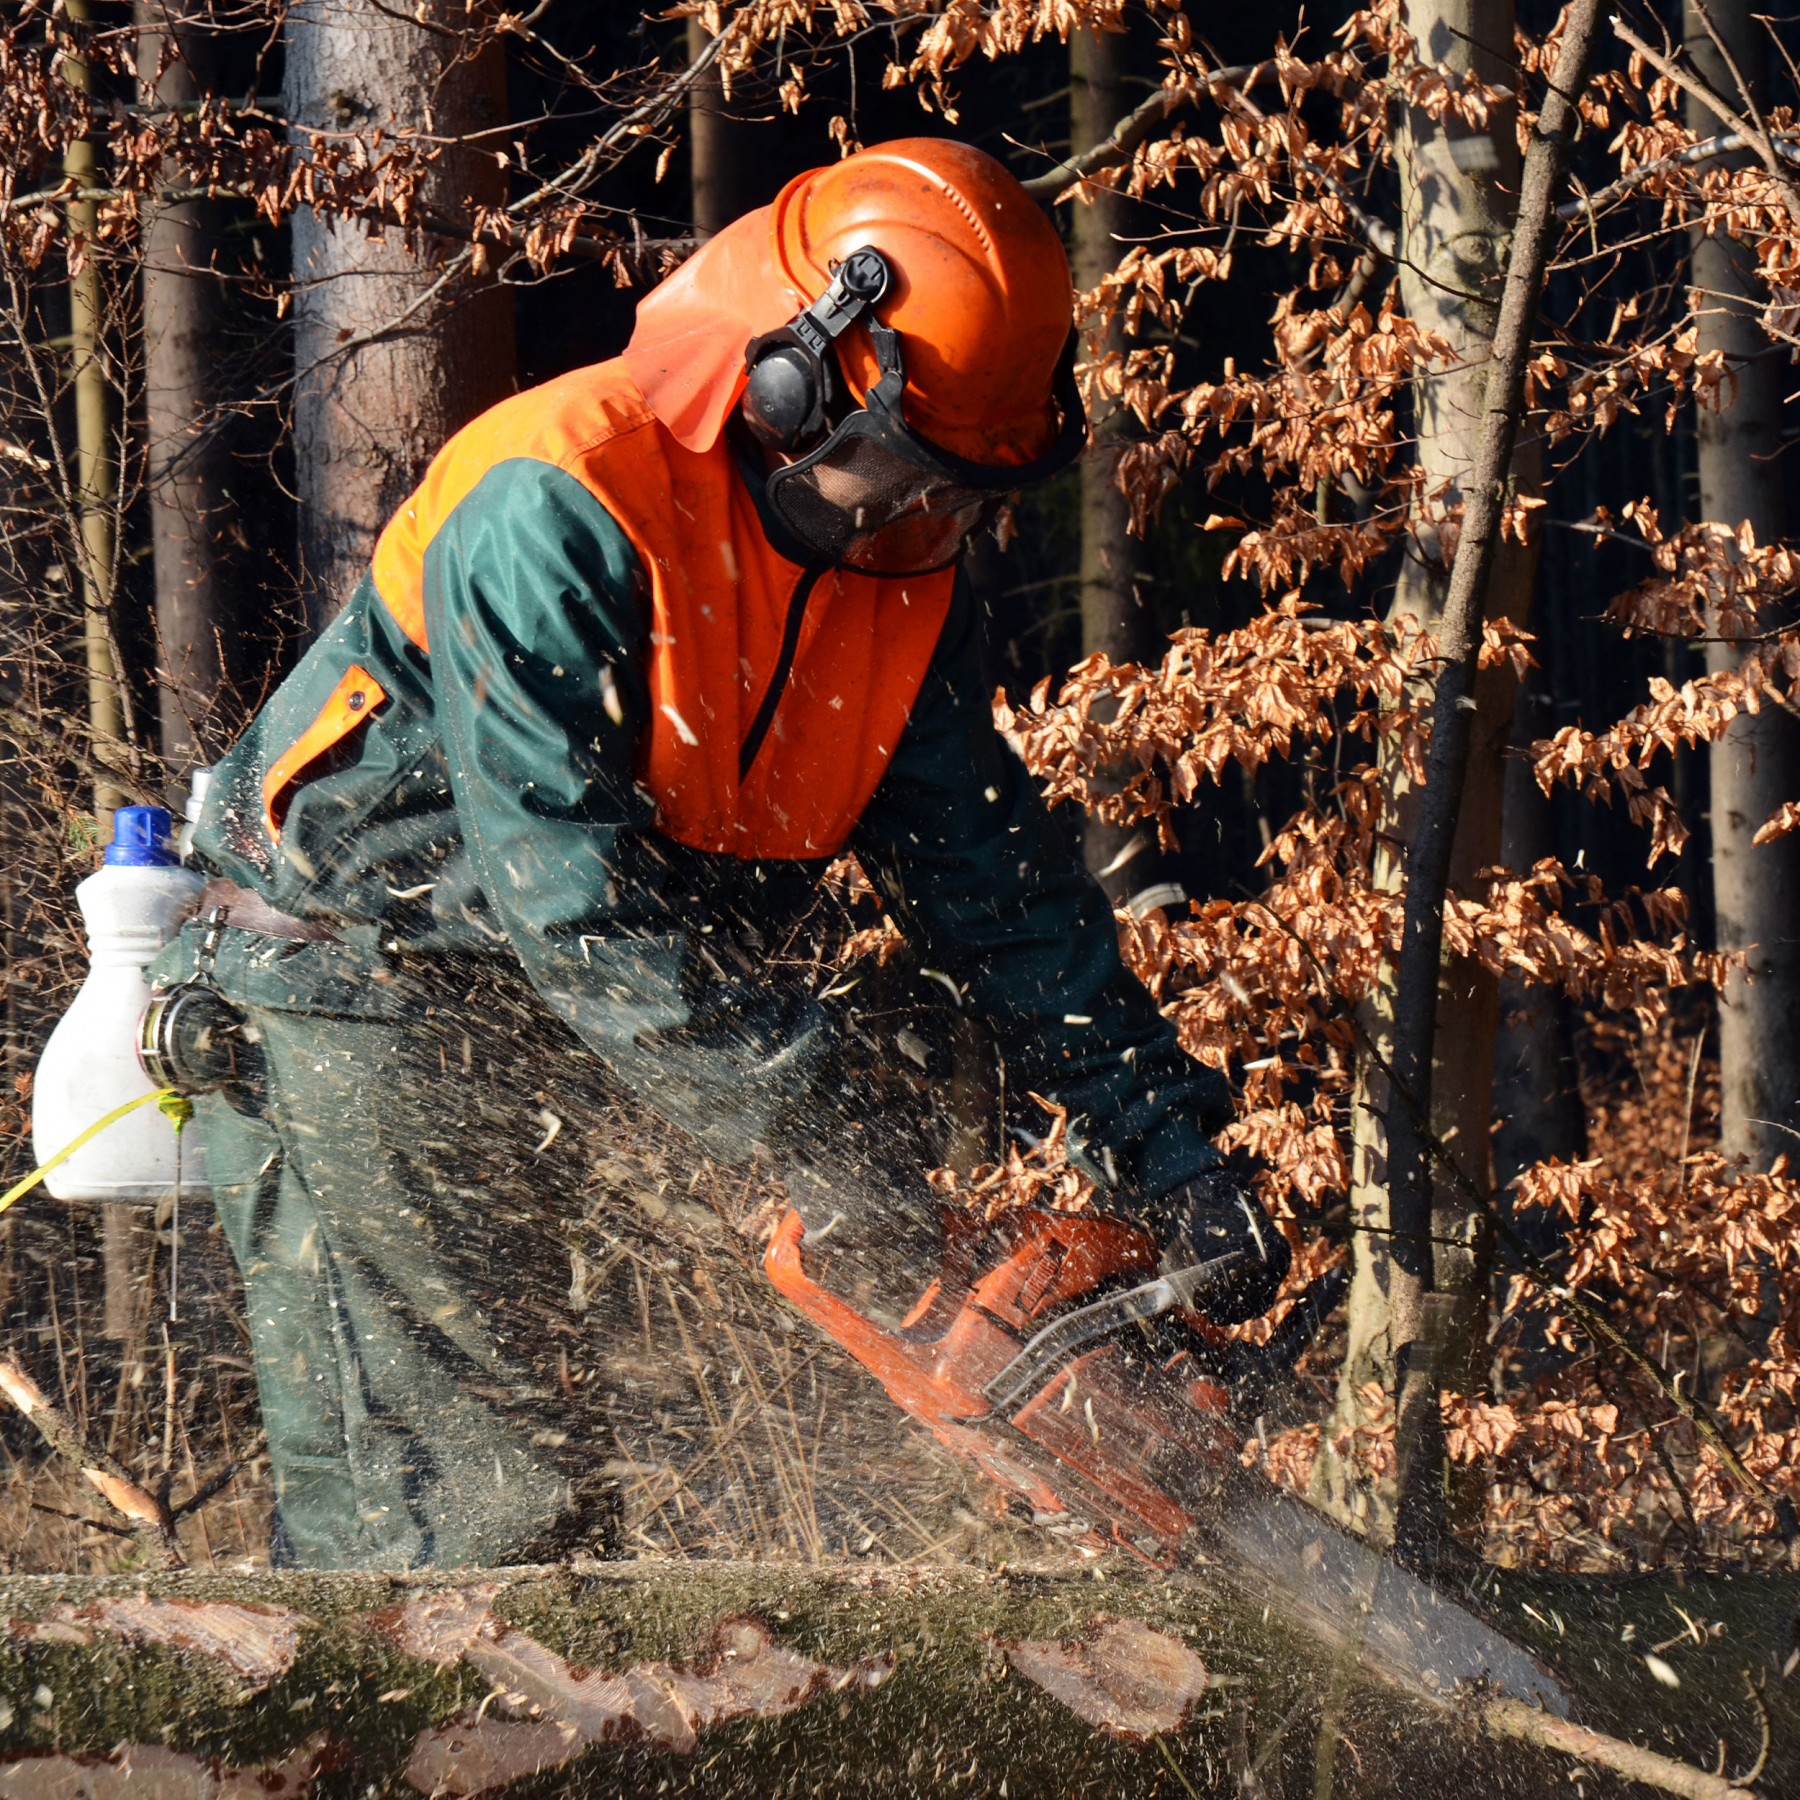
(647, 649)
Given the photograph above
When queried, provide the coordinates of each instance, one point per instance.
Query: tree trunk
(740, 1679)
(1110, 615)
(722, 167)
(1755, 768)
(1459, 189)
(387, 367)
(192, 512)
(1537, 1099)
(96, 466)
(97, 496)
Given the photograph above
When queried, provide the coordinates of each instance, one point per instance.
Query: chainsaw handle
(905, 1366)
(786, 1270)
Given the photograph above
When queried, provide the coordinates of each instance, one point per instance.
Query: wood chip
(150, 1772)
(478, 1756)
(438, 1627)
(1124, 1677)
(256, 1642)
(742, 1672)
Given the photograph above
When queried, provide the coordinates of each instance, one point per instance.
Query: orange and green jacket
(588, 703)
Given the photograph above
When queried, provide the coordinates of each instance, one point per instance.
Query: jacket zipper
(784, 667)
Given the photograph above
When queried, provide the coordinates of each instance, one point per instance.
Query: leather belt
(247, 910)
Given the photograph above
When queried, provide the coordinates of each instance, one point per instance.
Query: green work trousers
(394, 1195)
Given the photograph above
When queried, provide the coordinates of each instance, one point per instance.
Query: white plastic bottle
(132, 906)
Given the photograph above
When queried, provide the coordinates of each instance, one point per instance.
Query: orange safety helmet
(981, 297)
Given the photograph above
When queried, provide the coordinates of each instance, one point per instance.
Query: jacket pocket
(355, 697)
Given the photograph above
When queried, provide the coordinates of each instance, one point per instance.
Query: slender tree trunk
(97, 495)
(388, 367)
(722, 169)
(96, 465)
(192, 513)
(1426, 1308)
(1110, 614)
(1537, 1102)
(1755, 769)
(1459, 189)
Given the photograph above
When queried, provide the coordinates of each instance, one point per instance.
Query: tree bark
(96, 466)
(1459, 190)
(722, 168)
(1423, 1322)
(1755, 768)
(1537, 1098)
(1111, 618)
(192, 512)
(730, 1678)
(388, 364)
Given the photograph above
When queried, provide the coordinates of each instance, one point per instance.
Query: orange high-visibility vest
(720, 604)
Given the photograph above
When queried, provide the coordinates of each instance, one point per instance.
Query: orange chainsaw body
(1111, 1436)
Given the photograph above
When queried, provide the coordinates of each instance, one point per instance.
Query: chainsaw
(1052, 1355)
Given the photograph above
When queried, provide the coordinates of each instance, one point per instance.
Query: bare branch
(1727, 143)
(1137, 127)
(150, 1521)
(1531, 1725)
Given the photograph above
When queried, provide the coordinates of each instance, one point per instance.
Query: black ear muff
(786, 396)
(789, 384)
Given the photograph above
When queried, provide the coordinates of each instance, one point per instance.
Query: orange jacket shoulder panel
(554, 424)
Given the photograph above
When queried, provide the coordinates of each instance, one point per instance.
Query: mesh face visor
(878, 498)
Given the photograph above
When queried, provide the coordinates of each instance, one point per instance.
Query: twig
(217, 1483)
(1725, 144)
(1134, 129)
(1175, 1768)
(1745, 92)
(1594, 1323)
(106, 1525)
(1721, 109)
(1528, 1724)
(152, 1524)
(1380, 236)
(1754, 1688)
(1138, 125)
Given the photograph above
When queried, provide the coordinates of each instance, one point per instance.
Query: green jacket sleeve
(538, 620)
(535, 609)
(960, 843)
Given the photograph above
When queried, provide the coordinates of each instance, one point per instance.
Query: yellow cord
(178, 1108)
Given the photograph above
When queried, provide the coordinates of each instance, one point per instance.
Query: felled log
(715, 1678)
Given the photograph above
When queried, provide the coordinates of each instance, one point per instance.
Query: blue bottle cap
(141, 839)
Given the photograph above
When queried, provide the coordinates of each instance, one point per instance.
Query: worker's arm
(538, 618)
(960, 844)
